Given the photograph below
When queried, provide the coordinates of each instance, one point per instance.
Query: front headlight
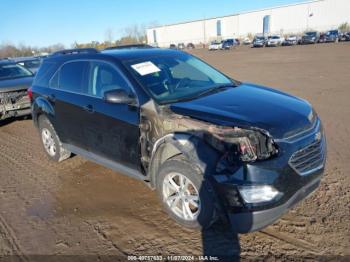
(247, 145)
(258, 193)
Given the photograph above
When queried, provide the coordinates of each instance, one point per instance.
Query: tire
(203, 215)
(51, 142)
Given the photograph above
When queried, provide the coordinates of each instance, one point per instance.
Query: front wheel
(185, 194)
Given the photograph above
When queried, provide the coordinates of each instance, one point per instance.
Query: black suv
(211, 146)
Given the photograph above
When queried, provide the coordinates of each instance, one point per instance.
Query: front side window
(176, 77)
(310, 33)
(12, 71)
(104, 77)
(73, 76)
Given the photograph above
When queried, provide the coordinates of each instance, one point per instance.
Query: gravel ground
(80, 208)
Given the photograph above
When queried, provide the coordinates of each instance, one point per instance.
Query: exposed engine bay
(234, 144)
(12, 104)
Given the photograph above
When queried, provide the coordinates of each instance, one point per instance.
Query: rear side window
(73, 76)
(104, 77)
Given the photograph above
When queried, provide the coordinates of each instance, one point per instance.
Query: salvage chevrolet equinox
(212, 147)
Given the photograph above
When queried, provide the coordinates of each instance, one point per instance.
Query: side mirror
(119, 96)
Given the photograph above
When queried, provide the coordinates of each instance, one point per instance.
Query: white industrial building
(321, 15)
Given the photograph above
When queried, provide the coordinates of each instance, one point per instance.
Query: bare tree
(109, 37)
(136, 32)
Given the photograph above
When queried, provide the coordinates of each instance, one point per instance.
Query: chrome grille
(309, 159)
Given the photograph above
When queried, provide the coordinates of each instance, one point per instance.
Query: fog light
(257, 194)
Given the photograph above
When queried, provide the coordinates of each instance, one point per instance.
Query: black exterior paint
(114, 131)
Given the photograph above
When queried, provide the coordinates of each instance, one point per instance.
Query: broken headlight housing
(245, 144)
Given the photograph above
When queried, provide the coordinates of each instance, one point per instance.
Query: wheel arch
(194, 148)
(41, 107)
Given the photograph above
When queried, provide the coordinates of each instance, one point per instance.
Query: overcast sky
(45, 22)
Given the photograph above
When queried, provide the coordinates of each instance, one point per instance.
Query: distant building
(318, 15)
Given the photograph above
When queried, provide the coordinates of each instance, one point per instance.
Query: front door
(111, 130)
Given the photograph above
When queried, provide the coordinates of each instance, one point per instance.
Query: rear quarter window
(44, 74)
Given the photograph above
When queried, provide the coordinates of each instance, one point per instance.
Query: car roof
(6, 62)
(133, 54)
(122, 54)
(25, 59)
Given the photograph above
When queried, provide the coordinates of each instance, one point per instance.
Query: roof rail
(75, 51)
(132, 46)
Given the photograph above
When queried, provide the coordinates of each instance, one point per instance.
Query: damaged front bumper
(293, 174)
(255, 220)
(14, 104)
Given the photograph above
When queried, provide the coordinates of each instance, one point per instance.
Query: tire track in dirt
(298, 243)
(7, 234)
(27, 176)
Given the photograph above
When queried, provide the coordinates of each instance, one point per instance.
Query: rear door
(69, 87)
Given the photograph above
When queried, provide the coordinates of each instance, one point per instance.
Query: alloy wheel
(48, 142)
(181, 196)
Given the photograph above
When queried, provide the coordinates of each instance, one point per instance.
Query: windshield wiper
(211, 90)
(214, 89)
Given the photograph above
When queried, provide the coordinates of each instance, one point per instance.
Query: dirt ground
(80, 208)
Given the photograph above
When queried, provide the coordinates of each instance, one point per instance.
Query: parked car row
(310, 37)
(224, 44)
(182, 46)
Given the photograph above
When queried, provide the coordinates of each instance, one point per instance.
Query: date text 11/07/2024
(173, 258)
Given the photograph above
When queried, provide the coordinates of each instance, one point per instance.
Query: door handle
(88, 108)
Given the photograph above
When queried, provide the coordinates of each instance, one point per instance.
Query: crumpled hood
(249, 105)
(15, 84)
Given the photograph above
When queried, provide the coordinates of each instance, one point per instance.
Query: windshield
(310, 33)
(259, 38)
(10, 71)
(334, 32)
(30, 64)
(177, 77)
(275, 37)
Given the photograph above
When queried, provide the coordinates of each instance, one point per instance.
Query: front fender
(194, 148)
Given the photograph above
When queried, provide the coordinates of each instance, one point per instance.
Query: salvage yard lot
(77, 207)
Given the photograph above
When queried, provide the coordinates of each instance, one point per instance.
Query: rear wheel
(51, 142)
(185, 194)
